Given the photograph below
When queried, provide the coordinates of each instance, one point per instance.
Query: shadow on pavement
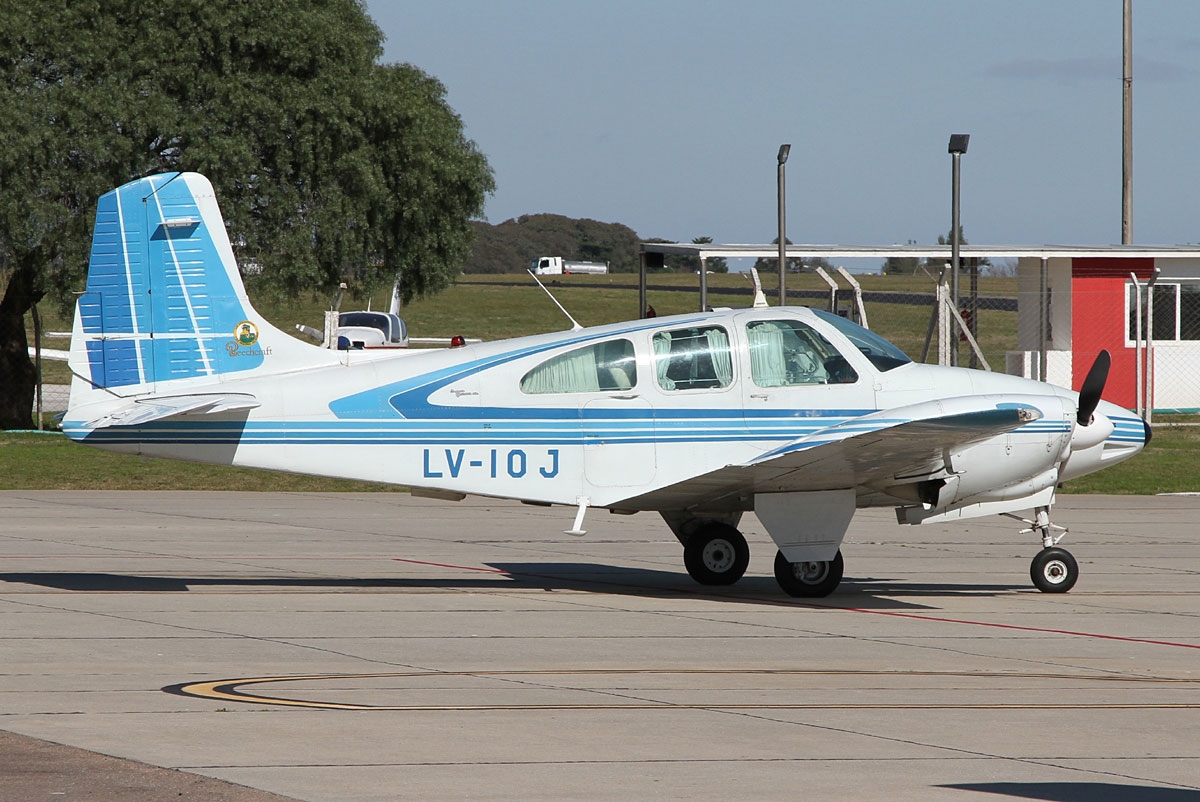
(583, 577)
(1082, 792)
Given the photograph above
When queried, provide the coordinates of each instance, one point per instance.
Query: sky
(667, 115)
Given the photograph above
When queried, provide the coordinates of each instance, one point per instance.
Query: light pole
(783, 156)
(958, 146)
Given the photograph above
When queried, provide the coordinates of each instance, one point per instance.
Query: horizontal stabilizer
(155, 408)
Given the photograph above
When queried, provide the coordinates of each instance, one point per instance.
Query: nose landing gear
(1053, 570)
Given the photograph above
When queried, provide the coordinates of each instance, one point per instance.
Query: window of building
(603, 367)
(1176, 312)
(694, 358)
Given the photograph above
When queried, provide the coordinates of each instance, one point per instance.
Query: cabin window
(693, 358)
(604, 367)
(784, 353)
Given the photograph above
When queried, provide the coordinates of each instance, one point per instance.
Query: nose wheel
(1054, 570)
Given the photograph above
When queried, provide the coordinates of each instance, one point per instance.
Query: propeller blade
(1093, 386)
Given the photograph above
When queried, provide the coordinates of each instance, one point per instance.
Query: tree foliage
(510, 246)
(714, 264)
(768, 265)
(326, 164)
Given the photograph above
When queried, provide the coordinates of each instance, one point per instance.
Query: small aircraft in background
(797, 415)
(369, 329)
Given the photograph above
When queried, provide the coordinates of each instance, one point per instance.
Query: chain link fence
(1047, 321)
(48, 349)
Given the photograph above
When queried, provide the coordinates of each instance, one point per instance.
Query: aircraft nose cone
(1149, 432)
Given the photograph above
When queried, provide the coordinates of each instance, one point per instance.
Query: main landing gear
(1053, 570)
(811, 579)
(716, 553)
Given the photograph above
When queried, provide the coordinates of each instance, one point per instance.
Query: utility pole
(957, 147)
(1127, 127)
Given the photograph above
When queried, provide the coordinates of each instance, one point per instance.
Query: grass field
(487, 307)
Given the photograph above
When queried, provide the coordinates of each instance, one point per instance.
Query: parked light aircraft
(797, 415)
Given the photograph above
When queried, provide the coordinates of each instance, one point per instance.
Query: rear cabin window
(693, 358)
(603, 367)
(784, 353)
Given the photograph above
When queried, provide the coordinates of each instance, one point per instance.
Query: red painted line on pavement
(816, 606)
(1018, 627)
(457, 567)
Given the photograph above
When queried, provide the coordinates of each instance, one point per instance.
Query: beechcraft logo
(246, 333)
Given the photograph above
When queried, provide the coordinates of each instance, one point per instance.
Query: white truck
(556, 266)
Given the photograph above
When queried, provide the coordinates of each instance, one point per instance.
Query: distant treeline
(510, 246)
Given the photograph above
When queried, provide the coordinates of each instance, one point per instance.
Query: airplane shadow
(1082, 792)
(586, 577)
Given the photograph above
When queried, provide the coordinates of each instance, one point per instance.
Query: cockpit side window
(694, 358)
(603, 367)
(784, 353)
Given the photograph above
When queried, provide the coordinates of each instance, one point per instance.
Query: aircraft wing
(871, 451)
(144, 410)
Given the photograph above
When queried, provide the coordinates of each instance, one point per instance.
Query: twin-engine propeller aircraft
(792, 413)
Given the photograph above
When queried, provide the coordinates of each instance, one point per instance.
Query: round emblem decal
(246, 333)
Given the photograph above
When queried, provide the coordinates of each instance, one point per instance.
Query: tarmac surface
(358, 647)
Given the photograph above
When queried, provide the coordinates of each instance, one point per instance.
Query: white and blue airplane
(797, 415)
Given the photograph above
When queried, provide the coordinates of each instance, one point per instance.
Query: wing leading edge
(905, 444)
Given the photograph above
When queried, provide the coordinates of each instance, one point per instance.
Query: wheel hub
(719, 556)
(1055, 571)
(812, 572)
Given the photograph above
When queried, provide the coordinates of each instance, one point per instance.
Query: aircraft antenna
(574, 323)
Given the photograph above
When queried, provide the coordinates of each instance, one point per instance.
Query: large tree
(326, 163)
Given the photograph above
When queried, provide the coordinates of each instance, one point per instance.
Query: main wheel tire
(812, 579)
(1054, 570)
(716, 554)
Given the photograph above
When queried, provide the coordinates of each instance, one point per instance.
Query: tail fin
(164, 299)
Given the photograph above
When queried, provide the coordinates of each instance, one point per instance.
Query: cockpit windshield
(882, 353)
(372, 320)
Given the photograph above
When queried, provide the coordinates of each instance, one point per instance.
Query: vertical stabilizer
(164, 300)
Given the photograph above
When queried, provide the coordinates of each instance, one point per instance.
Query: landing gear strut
(1053, 570)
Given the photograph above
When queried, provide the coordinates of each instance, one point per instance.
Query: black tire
(716, 554)
(808, 580)
(1054, 570)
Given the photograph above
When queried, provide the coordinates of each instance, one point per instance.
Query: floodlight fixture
(958, 143)
(784, 150)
